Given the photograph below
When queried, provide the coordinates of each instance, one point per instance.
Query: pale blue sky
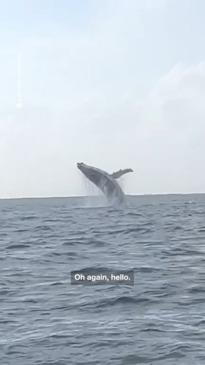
(111, 83)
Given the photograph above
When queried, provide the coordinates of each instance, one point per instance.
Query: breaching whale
(105, 182)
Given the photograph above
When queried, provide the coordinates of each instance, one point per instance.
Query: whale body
(105, 182)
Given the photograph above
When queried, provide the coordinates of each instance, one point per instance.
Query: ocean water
(46, 320)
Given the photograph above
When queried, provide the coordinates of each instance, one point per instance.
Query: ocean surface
(44, 320)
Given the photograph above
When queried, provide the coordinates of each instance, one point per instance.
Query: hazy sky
(112, 83)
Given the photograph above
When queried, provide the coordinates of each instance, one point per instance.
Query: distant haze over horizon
(114, 84)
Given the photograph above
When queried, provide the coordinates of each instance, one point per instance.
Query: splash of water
(93, 196)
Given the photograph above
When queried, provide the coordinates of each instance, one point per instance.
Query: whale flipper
(120, 172)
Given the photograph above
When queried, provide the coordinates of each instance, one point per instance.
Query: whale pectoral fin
(119, 173)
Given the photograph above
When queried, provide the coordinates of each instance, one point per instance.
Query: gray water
(46, 320)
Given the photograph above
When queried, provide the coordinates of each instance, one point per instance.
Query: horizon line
(95, 196)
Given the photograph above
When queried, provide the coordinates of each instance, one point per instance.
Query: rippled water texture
(45, 320)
